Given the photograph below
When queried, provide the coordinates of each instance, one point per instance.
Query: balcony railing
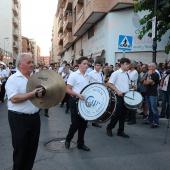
(68, 39)
(80, 14)
(15, 33)
(15, 22)
(15, 10)
(15, 1)
(15, 44)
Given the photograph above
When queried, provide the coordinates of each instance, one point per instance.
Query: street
(144, 150)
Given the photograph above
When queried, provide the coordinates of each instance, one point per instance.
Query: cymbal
(53, 84)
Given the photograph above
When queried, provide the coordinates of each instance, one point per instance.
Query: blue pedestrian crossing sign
(125, 42)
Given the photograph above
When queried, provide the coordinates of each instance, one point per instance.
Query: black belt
(24, 114)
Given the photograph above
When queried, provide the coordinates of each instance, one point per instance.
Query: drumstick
(89, 103)
(129, 97)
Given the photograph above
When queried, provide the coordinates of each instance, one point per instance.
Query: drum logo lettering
(92, 100)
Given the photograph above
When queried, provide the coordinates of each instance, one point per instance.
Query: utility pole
(154, 46)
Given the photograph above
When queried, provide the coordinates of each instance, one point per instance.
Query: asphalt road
(144, 150)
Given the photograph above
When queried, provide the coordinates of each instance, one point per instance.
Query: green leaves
(163, 18)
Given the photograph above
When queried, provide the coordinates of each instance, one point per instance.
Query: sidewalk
(144, 150)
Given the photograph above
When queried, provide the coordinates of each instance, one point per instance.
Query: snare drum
(99, 103)
(133, 99)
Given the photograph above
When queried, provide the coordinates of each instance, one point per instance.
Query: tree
(163, 18)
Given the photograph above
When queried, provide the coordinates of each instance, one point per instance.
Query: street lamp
(4, 47)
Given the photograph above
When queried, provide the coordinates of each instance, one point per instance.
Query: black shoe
(131, 122)
(67, 144)
(128, 120)
(122, 134)
(96, 125)
(61, 105)
(66, 111)
(141, 114)
(46, 115)
(146, 123)
(154, 126)
(83, 147)
(109, 132)
(167, 116)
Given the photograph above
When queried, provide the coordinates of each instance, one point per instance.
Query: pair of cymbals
(53, 84)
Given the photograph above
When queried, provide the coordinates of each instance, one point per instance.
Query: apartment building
(99, 29)
(44, 60)
(10, 30)
(30, 46)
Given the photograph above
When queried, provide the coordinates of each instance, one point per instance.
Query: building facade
(10, 30)
(98, 29)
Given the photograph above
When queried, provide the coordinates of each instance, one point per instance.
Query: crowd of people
(149, 79)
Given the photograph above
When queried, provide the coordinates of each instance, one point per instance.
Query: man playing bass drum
(75, 83)
(119, 82)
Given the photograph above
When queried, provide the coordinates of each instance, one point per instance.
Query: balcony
(60, 25)
(60, 50)
(77, 1)
(15, 22)
(15, 10)
(62, 3)
(68, 40)
(60, 36)
(15, 1)
(120, 4)
(15, 45)
(15, 33)
(68, 22)
(95, 10)
(68, 5)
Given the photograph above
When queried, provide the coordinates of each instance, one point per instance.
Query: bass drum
(133, 99)
(99, 103)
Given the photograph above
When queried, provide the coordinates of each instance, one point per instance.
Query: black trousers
(66, 100)
(25, 132)
(2, 93)
(119, 115)
(77, 123)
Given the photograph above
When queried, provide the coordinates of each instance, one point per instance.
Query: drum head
(132, 99)
(98, 96)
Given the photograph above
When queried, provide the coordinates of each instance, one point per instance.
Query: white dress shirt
(16, 84)
(78, 81)
(120, 80)
(96, 76)
(133, 75)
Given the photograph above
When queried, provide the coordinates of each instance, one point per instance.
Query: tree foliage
(163, 18)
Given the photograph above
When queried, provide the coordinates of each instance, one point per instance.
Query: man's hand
(119, 93)
(38, 92)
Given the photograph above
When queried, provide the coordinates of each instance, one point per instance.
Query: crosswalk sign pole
(123, 53)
